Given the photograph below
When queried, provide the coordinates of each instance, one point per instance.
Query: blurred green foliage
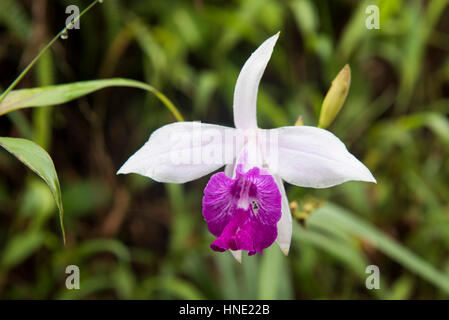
(136, 239)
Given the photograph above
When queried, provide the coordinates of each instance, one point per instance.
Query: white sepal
(237, 254)
(316, 158)
(245, 93)
(182, 152)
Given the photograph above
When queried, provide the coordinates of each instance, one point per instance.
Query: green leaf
(14, 17)
(20, 247)
(269, 273)
(343, 251)
(94, 246)
(175, 287)
(38, 160)
(179, 288)
(331, 216)
(58, 94)
(273, 275)
(339, 245)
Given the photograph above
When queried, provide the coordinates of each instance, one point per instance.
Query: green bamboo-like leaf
(58, 94)
(339, 245)
(38, 160)
(331, 216)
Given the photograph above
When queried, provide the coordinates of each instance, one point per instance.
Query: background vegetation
(134, 238)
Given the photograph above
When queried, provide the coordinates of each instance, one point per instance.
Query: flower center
(255, 206)
(244, 191)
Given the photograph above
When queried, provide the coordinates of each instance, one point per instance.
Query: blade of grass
(332, 216)
(58, 94)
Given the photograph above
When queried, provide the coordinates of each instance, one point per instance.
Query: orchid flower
(246, 207)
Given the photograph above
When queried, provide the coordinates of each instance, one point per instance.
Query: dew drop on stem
(64, 35)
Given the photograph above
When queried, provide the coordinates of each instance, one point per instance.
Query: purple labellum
(242, 212)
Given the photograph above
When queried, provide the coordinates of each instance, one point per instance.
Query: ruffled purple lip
(242, 212)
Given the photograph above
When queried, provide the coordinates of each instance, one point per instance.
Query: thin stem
(48, 45)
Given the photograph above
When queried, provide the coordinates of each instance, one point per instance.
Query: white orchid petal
(245, 94)
(285, 223)
(314, 157)
(182, 151)
(237, 254)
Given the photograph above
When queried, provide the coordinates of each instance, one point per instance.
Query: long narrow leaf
(38, 160)
(331, 216)
(58, 94)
